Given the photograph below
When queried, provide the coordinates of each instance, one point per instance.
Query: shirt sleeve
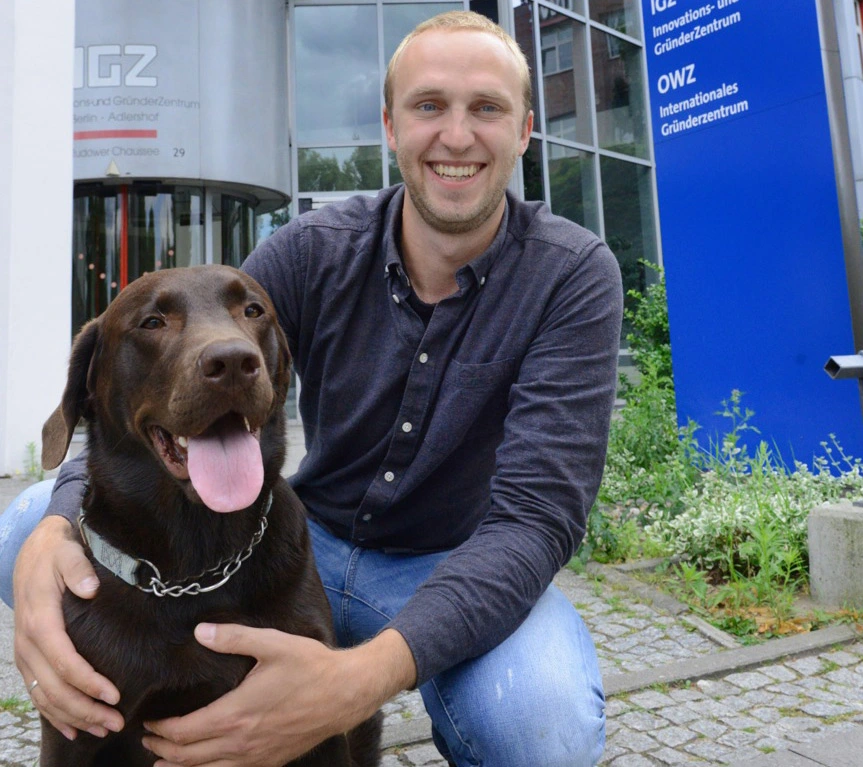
(68, 492)
(549, 466)
(276, 265)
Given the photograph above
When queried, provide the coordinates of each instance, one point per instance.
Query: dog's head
(190, 364)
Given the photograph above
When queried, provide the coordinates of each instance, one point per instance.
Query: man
(457, 350)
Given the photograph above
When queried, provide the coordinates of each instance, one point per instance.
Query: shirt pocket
(472, 404)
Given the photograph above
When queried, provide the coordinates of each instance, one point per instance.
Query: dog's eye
(152, 323)
(254, 310)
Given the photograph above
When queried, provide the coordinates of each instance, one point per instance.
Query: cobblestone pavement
(721, 718)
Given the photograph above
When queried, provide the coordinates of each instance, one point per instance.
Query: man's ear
(390, 129)
(58, 429)
(526, 130)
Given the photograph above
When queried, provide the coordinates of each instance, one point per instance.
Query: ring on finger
(32, 686)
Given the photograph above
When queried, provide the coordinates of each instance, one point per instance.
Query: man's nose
(457, 131)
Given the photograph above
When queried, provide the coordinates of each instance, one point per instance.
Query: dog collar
(130, 569)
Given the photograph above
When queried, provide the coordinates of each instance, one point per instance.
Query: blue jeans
(535, 700)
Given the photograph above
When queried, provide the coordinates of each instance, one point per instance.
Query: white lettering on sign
(658, 6)
(676, 79)
(109, 66)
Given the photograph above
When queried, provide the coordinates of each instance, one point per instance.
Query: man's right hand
(68, 689)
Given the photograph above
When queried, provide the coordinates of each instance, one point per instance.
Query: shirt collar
(479, 266)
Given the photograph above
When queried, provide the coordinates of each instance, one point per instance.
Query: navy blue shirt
(483, 430)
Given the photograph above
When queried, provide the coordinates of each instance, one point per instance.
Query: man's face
(457, 126)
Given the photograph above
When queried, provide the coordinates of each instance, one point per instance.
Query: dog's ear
(283, 370)
(58, 429)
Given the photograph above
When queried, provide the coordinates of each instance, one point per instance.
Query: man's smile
(455, 172)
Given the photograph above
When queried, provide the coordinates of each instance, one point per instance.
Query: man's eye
(152, 323)
(489, 109)
(427, 107)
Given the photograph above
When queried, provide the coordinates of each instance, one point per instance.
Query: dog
(186, 518)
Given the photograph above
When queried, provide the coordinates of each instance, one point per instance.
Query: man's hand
(299, 694)
(49, 562)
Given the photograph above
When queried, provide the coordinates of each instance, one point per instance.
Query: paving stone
(616, 707)
(678, 714)
(674, 736)
(612, 751)
(684, 695)
(673, 756)
(709, 728)
(715, 688)
(423, 755)
(707, 750)
(641, 721)
(651, 700)
(738, 738)
(807, 666)
(741, 722)
(840, 657)
(845, 676)
(633, 760)
(779, 673)
(822, 709)
(769, 745)
(766, 714)
(634, 741)
(748, 681)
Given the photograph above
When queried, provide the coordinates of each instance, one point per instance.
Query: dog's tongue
(226, 467)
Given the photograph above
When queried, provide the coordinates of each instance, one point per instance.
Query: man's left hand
(299, 693)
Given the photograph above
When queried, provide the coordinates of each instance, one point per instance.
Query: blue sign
(757, 291)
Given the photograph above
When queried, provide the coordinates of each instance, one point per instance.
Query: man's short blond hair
(473, 22)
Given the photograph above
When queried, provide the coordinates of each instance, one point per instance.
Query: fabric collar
(393, 263)
(129, 568)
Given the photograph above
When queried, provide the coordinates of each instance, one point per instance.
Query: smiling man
(457, 350)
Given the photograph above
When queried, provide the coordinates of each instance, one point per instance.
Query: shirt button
(366, 517)
(396, 298)
(389, 476)
(482, 280)
(424, 358)
(407, 426)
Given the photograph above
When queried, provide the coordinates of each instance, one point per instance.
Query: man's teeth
(455, 171)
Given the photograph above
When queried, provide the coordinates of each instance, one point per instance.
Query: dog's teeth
(183, 442)
(248, 425)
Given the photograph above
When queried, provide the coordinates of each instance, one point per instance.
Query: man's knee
(562, 732)
(552, 727)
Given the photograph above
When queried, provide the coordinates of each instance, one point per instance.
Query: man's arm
(548, 471)
(49, 562)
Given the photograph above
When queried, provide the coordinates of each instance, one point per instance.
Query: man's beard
(458, 222)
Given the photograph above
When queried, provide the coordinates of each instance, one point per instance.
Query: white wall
(37, 41)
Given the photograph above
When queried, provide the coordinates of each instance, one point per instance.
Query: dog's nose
(230, 363)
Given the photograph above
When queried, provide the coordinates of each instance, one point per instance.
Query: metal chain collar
(222, 571)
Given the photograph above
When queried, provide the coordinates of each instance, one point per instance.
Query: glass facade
(122, 232)
(338, 67)
(589, 157)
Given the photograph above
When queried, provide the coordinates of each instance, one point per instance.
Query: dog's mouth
(223, 463)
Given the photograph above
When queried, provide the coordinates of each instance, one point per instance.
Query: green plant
(32, 464)
(649, 337)
(746, 515)
(15, 705)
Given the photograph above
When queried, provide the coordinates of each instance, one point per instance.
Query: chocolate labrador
(186, 518)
